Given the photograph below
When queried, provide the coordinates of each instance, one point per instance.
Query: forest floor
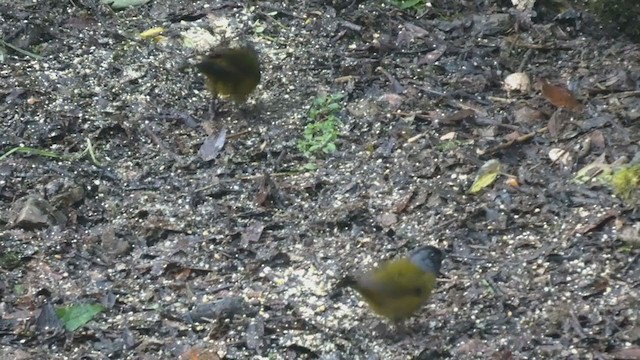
(160, 248)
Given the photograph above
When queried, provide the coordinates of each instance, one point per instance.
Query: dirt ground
(237, 257)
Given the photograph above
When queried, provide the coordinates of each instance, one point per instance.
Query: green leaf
(319, 134)
(310, 166)
(407, 4)
(486, 176)
(75, 316)
(333, 107)
(331, 147)
(598, 170)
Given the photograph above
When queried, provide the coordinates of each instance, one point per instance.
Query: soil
(233, 250)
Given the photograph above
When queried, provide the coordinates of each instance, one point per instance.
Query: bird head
(428, 258)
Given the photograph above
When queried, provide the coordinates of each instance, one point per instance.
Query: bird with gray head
(398, 288)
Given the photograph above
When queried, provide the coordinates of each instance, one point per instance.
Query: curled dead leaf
(199, 354)
(559, 96)
(631, 353)
(561, 156)
(518, 81)
(513, 182)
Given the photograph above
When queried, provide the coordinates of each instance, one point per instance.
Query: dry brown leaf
(527, 115)
(199, 354)
(559, 96)
(512, 136)
(594, 226)
(403, 204)
(597, 139)
(265, 190)
(513, 182)
(458, 116)
(632, 353)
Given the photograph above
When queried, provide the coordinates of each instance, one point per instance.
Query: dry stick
(622, 94)
(416, 138)
(525, 60)
(494, 287)
(237, 135)
(270, 8)
(501, 99)
(454, 102)
(537, 47)
(497, 124)
(519, 139)
(635, 258)
(350, 25)
(576, 325)
(22, 51)
(156, 140)
(395, 84)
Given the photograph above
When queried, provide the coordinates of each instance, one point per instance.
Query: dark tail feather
(219, 72)
(347, 281)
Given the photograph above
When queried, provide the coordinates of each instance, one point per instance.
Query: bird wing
(394, 281)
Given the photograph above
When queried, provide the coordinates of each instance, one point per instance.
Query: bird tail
(217, 72)
(347, 281)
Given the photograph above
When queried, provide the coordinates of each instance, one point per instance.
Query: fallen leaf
(597, 139)
(152, 33)
(518, 81)
(75, 316)
(559, 96)
(632, 353)
(265, 190)
(252, 233)
(561, 156)
(527, 115)
(630, 234)
(594, 226)
(403, 204)
(212, 146)
(448, 136)
(199, 354)
(486, 176)
(458, 116)
(387, 220)
(513, 182)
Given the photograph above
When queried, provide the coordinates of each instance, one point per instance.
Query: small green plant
(408, 4)
(54, 155)
(626, 183)
(321, 133)
(450, 145)
(9, 260)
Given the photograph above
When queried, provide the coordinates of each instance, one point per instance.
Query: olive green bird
(399, 287)
(232, 72)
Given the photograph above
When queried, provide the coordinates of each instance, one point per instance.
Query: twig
(536, 46)
(519, 139)
(576, 325)
(492, 284)
(237, 135)
(350, 25)
(622, 94)
(21, 51)
(628, 266)
(525, 60)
